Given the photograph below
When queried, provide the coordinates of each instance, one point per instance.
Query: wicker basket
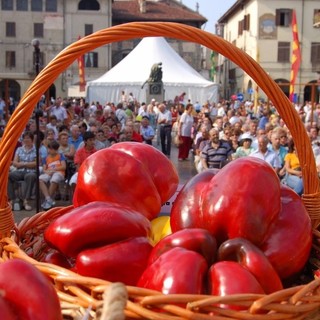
(82, 295)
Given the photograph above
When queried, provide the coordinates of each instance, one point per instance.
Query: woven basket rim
(286, 111)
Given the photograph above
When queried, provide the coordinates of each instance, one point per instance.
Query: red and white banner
(296, 55)
(82, 79)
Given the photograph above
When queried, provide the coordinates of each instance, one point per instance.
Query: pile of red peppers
(236, 230)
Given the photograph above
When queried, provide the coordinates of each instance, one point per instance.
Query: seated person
(215, 153)
(146, 130)
(82, 154)
(293, 177)
(53, 173)
(24, 165)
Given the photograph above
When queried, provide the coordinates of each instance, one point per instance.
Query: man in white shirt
(265, 154)
(164, 121)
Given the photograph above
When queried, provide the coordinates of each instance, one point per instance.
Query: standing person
(185, 131)
(121, 115)
(59, 111)
(165, 126)
(53, 173)
(24, 163)
(215, 153)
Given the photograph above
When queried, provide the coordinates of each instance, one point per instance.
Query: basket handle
(133, 30)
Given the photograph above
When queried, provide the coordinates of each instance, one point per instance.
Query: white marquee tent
(131, 72)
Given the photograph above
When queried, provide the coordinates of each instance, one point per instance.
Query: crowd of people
(210, 134)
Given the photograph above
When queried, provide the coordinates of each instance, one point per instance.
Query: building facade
(58, 23)
(263, 29)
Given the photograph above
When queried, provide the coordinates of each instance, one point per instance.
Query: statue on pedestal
(155, 74)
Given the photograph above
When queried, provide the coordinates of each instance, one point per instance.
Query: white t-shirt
(186, 121)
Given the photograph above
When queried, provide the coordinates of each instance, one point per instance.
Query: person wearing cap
(245, 149)
(146, 130)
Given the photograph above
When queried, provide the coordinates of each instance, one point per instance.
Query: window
(22, 5)
(316, 18)
(283, 17)
(10, 59)
(89, 5)
(88, 29)
(6, 4)
(315, 52)
(246, 22)
(10, 29)
(36, 5)
(91, 60)
(38, 30)
(283, 51)
(240, 28)
(51, 6)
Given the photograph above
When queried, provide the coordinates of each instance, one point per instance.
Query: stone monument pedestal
(155, 91)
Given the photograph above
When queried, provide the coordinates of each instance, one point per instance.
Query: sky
(212, 10)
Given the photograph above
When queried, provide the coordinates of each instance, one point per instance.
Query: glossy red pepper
(235, 202)
(6, 310)
(122, 261)
(229, 277)
(93, 225)
(289, 239)
(113, 176)
(176, 271)
(253, 259)
(57, 258)
(28, 291)
(198, 240)
(160, 168)
(186, 210)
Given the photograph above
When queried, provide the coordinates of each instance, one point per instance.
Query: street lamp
(38, 113)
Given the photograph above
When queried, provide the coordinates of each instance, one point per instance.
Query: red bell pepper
(28, 291)
(198, 240)
(234, 202)
(289, 239)
(160, 168)
(113, 176)
(253, 259)
(57, 258)
(93, 225)
(122, 261)
(229, 277)
(186, 210)
(6, 310)
(176, 271)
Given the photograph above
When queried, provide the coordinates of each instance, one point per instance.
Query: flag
(213, 65)
(82, 79)
(296, 55)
